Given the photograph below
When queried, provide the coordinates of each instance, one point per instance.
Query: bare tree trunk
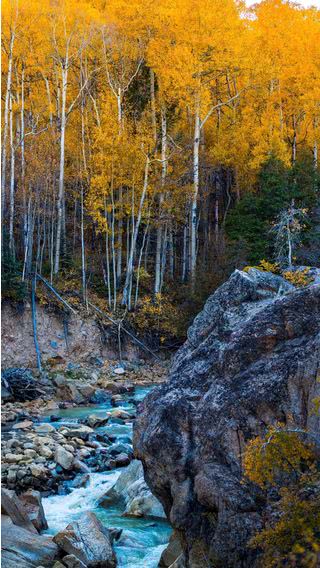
(60, 202)
(193, 220)
(23, 168)
(12, 196)
(171, 252)
(83, 254)
(6, 121)
(184, 254)
(140, 260)
(163, 181)
(153, 106)
(107, 255)
(30, 244)
(294, 142)
(44, 236)
(26, 249)
(119, 243)
(164, 257)
(113, 248)
(126, 299)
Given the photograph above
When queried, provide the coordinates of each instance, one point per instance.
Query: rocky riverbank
(42, 455)
(83, 454)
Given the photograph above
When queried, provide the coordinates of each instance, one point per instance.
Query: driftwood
(20, 384)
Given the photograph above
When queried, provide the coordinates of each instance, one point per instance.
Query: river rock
(78, 431)
(13, 458)
(132, 490)
(89, 541)
(32, 503)
(122, 460)
(99, 397)
(63, 457)
(46, 452)
(95, 421)
(44, 428)
(13, 508)
(119, 371)
(251, 360)
(119, 413)
(22, 425)
(24, 549)
(71, 561)
(87, 391)
(30, 453)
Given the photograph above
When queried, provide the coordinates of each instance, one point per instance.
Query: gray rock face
(251, 359)
(24, 549)
(89, 541)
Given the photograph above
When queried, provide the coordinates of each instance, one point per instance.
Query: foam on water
(62, 509)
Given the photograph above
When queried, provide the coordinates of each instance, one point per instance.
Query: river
(142, 540)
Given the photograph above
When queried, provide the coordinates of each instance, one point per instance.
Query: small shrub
(265, 266)
(158, 317)
(299, 278)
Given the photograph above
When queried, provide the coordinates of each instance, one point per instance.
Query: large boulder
(32, 503)
(24, 549)
(251, 359)
(132, 491)
(89, 541)
(14, 508)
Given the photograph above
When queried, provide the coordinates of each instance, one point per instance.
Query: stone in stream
(24, 549)
(132, 490)
(14, 508)
(122, 460)
(119, 413)
(44, 428)
(99, 397)
(22, 425)
(77, 431)
(89, 541)
(95, 421)
(63, 457)
(31, 501)
(120, 448)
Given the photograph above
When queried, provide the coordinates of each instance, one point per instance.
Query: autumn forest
(148, 148)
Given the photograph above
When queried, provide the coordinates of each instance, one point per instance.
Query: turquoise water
(142, 540)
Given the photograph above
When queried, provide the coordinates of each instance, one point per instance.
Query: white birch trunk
(12, 196)
(163, 180)
(126, 299)
(83, 254)
(60, 202)
(6, 121)
(193, 214)
(153, 106)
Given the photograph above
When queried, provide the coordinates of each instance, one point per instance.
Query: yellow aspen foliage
(285, 459)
